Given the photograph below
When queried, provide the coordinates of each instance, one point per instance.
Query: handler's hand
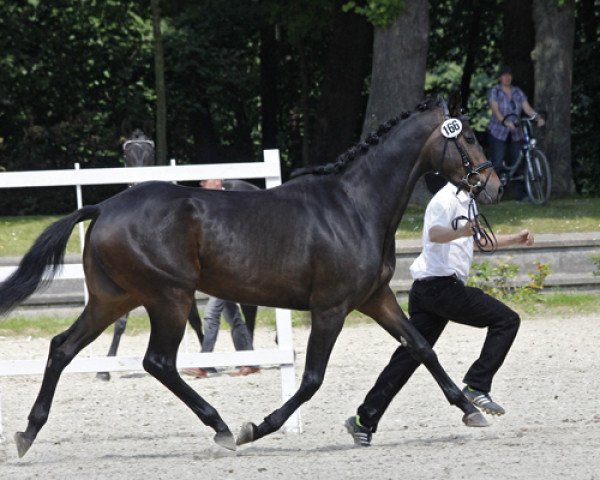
(524, 237)
(466, 230)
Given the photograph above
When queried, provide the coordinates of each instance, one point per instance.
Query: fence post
(284, 356)
(81, 233)
(283, 320)
(272, 158)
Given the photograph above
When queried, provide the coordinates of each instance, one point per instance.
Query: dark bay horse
(322, 242)
(138, 151)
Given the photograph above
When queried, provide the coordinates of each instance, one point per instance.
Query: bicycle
(537, 176)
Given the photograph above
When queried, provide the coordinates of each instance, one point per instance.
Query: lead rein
(486, 242)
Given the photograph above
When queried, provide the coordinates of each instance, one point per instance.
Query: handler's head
(212, 183)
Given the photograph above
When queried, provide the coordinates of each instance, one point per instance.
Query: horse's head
(453, 151)
(138, 150)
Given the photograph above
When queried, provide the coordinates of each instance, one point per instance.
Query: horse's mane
(361, 148)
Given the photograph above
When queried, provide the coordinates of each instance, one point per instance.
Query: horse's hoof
(103, 376)
(247, 433)
(225, 440)
(475, 419)
(22, 443)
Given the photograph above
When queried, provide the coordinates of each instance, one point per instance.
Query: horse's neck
(387, 175)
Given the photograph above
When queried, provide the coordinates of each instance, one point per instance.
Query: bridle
(451, 129)
(486, 242)
(137, 142)
(472, 183)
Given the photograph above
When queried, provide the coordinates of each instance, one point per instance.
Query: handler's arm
(439, 234)
(524, 237)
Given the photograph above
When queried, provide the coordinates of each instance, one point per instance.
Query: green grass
(574, 214)
(17, 234)
(564, 215)
(552, 304)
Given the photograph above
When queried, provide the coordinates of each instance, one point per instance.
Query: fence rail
(269, 169)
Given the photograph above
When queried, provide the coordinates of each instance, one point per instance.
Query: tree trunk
(518, 41)
(159, 79)
(305, 106)
(553, 59)
(398, 72)
(268, 87)
(341, 105)
(475, 8)
(399, 63)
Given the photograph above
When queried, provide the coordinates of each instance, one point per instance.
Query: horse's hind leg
(63, 348)
(120, 325)
(326, 327)
(167, 327)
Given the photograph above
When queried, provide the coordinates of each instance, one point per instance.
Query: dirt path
(133, 428)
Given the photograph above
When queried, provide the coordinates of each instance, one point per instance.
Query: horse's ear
(149, 127)
(125, 128)
(455, 103)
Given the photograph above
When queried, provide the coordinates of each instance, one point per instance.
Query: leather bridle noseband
(139, 142)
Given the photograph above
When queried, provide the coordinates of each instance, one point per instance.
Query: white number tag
(451, 128)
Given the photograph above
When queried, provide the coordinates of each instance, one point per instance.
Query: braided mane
(362, 148)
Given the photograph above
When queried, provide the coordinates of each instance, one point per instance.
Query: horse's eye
(470, 139)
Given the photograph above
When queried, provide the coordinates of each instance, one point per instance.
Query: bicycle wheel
(538, 179)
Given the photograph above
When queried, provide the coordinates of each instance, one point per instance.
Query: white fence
(269, 169)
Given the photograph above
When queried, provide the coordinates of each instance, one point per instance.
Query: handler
(439, 294)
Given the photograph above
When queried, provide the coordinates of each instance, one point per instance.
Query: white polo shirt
(444, 259)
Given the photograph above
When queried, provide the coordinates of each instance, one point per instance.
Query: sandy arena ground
(133, 428)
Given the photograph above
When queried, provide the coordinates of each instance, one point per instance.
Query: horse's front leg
(385, 310)
(326, 326)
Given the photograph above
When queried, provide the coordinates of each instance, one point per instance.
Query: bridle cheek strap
(466, 183)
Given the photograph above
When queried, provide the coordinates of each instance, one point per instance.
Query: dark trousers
(498, 148)
(431, 304)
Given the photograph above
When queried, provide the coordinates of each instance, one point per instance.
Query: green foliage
(496, 279)
(538, 276)
(381, 13)
(586, 119)
(70, 71)
(499, 280)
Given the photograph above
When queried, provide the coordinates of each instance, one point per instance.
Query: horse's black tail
(43, 260)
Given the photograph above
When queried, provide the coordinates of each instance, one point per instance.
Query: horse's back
(259, 247)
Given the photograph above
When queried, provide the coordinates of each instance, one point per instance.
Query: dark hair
(505, 69)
